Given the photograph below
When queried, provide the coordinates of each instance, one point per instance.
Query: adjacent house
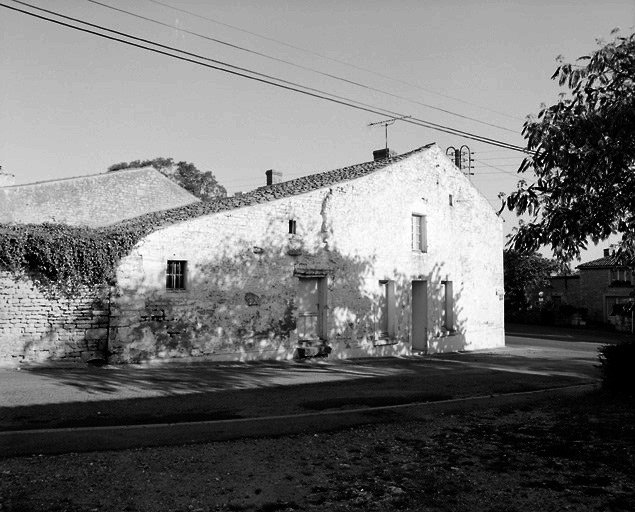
(595, 292)
(94, 200)
(394, 256)
(603, 284)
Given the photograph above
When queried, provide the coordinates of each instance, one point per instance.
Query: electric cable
(310, 52)
(300, 66)
(267, 79)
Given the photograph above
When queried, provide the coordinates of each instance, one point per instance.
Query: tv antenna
(388, 122)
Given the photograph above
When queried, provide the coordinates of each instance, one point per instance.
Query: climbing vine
(64, 258)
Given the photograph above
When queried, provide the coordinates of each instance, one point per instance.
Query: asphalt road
(53, 410)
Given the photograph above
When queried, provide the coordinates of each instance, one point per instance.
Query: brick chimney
(382, 154)
(607, 253)
(6, 179)
(273, 177)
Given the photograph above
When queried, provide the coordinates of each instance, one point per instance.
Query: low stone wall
(37, 326)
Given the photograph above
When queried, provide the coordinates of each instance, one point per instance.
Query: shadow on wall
(268, 301)
(244, 302)
(247, 302)
(41, 324)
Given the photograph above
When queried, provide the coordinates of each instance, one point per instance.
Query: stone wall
(596, 290)
(594, 286)
(566, 288)
(36, 326)
(244, 271)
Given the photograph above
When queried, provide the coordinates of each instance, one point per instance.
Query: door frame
(419, 328)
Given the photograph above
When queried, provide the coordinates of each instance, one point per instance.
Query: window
(291, 227)
(419, 235)
(447, 306)
(175, 275)
(620, 276)
(386, 311)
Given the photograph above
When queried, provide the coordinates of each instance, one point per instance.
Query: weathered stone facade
(246, 272)
(329, 264)
(36, 326)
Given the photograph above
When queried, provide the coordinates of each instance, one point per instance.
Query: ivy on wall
(64, 258)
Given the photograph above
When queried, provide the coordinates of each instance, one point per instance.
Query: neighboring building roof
(280, 190)
(95, 200)
(605, 262)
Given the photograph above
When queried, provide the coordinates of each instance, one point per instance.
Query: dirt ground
(560, 454)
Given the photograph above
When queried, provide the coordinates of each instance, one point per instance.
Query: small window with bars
(175, 275)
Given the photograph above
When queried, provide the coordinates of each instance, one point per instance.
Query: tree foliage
(524, 273)
(201, 184)
(582, 151)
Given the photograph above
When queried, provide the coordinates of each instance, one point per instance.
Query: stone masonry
(36, 327)
(249, 262)
(245, 270)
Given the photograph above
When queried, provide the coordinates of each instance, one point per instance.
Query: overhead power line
(259, 77)
(310, 52)
(498, 168)
(300, 66)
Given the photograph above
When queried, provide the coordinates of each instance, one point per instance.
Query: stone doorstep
(312, 349)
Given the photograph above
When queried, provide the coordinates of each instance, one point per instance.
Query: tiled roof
(95, 200)
(278, 190)
(605, 262)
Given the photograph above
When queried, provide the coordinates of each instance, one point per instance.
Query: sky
(72, 103)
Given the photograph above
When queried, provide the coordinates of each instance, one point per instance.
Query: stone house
(394, 256)
(603, 285)
(599, 286)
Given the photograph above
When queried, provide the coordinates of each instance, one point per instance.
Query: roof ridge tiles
(276, 191)
(100, 175)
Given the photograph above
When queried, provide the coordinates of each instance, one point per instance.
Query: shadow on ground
(125, 396)
(569, 334)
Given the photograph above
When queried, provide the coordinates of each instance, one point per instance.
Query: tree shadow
(244, 302)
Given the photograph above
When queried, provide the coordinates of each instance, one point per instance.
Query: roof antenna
(386, 123)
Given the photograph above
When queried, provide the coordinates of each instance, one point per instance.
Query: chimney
(607, 253)
(6, 179)
(382, 154)
(273, 177)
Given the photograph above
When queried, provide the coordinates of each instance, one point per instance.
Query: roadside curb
(86, 439)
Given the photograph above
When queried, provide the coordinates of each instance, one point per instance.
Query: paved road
(220, 401)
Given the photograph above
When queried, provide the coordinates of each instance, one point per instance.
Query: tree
(582, 150)
(201, 184)
(524, 273)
